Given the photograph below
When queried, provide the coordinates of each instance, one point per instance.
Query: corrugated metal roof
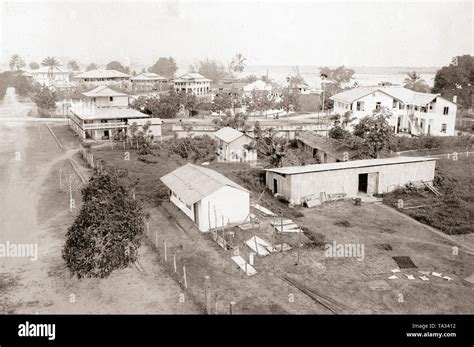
(148, 76)
(326, 144)
(228, 134)
(407, 96)
(192, 183)
(102, 74)
(87, 112)
(192, 76)
(294, 170)
(103, 91)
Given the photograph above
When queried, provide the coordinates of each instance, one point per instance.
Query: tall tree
(34, 65)
(165, 67)
(334, 80)
(107, 232)
(237, 64)
(50, 62)
(16, 62)
(73, 65)
(211, 69)
(414, 82)
(117, 66)
(457, 79)
(375, 131)
(92, 66)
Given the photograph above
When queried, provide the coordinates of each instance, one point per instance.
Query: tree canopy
(456, 79)
(106, 234)
(237, 64)
(117, 66)
(73, 65)
(92, 66)
(334, 82)
(16, 62)
(45, 98)
(414, 82)
(165, 67)
(34, 65)
(212, 69)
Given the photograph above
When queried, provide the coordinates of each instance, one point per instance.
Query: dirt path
(34, 210)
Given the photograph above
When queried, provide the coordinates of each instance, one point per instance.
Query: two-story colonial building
(412, 112)
(50, 76)
(193, 83)
(148, 82)
(103, 77)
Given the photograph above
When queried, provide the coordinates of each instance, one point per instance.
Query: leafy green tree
(338, 133)
(73, 65)
(211, 69)
(249, 79)
(221, 102)
(92, 66)
(334, 81)
(237, 121)
(165, 67)
(107, 232)
(16, 63)
(117, 66)
(375, 131)
(457, 79)
(165, 106)
(45, 98)
(290, 100)
(34, 65)
(187, 100)
(23, 86)
(414, 82)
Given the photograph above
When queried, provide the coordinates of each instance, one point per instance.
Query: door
(196, 214)
(372, 184)
(275, 186)
(363, 178)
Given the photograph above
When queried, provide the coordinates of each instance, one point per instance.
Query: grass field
(453, 212)
(361, 286)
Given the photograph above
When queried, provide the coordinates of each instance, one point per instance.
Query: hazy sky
(375, 33)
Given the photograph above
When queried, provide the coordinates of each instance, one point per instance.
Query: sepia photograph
(236, 158)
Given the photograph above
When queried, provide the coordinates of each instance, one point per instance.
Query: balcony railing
(105, 125)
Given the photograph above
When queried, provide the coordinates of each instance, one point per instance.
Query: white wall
(117, 101)
(226, 205)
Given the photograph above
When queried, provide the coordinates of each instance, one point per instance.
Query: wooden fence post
(166, 255)
(207, 293)
(231, 307)
(174, 262)
(184, 276)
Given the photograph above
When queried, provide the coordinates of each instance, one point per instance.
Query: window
(360, 106)
(445, 110)
(378, 105)
(111, 98)
(443, 128)
(416, 108)
(400, 106)
(394, 105)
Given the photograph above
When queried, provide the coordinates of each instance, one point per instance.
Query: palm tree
(238, 63)
(52, 63)
(414, 82)
(16, 62)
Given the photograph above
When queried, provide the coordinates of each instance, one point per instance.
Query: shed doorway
(363, 179)
(275, 186)
(196, 213)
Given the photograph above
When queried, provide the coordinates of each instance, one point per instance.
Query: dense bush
(106, 233)
(200, 148)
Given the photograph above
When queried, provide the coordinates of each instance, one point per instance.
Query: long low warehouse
(350, 178)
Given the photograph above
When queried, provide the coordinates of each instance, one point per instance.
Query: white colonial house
(231, 143)
(194, 83)
(412, 112)
(149, 81)
(104, 112)
(102, 77)
(50, 76)
(208, 198)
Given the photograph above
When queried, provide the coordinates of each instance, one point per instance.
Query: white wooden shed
(210, 199)
(350, 178)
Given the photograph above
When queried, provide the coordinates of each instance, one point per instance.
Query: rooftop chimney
(455, 99)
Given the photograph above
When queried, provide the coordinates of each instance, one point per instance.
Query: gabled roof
(228, 134)
(295, 170)
(192, 76)
(331, 146)
(148, 76)
(102, 74)
(192, 183)
(405, 95)
(90, 112)
(103, 91)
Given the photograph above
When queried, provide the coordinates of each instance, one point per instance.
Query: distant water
(364, 76)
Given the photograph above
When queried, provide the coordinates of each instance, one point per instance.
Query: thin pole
(174, 262)
(166, 256)
(184, 275)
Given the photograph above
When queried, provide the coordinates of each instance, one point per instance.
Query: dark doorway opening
(196, 213)
(275, 186)
(363, 178)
